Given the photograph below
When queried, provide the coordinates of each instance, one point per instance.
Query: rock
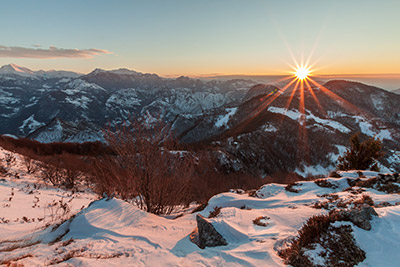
(205, 235)
(361, 216)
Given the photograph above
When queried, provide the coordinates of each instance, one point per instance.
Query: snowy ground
(116, 233)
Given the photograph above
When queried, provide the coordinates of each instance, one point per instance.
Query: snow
(30, 124)
(378, 102)
(269, 128)
(112, 232)
(313, 170)
(30, 198)
(125, 98)
(368, 129)
(15, 69)
(79, 101)
(121, 71)
(25, 72)
(296, 115)
(384, 134)
(381, 243)
(314, 255)
(223, 119)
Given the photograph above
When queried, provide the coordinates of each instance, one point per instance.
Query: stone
(205, 235)
(361, 216)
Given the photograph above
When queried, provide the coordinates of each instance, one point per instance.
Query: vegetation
(147, 168)
(361, 155)
(261, 221)
(319, 230)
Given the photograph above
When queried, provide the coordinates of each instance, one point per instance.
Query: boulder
(205, 235)
(361, 216)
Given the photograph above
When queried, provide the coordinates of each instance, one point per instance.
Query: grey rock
(205, 235)
(361, 216)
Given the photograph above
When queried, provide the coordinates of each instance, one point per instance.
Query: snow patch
(223, 119)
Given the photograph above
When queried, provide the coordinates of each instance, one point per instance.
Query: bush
(30, 164)
(261, 221)
(339, 246)
(147, 168)
(361, 155)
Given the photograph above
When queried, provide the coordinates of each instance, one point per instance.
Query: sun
(302, 73)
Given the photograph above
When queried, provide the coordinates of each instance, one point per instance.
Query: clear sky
(187, 37)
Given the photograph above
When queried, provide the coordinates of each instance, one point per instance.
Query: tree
(145, 167)
(361, 155)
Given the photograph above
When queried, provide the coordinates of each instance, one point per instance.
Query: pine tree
(361, 155)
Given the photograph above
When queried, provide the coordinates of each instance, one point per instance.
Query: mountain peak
(15, 69)
(120, 71)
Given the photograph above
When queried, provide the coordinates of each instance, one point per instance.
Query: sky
(202, 38)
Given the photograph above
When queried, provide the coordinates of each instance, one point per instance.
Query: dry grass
(364, 199)
(215, 212)
(325, 183)
(260, 221)
(290, 187)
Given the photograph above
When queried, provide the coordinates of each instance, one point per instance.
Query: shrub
(290, 187)
(215, 212)
(147, 167)
(325, 183)
(29, 164)
(334, 174)
(338, 241)
(9, 158)
(260, 221)
(361, 155)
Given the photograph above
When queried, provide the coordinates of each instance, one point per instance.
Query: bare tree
(145, 167)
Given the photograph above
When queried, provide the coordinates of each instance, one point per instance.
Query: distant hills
(237, 117)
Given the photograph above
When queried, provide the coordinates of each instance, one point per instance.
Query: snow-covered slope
(116, 233)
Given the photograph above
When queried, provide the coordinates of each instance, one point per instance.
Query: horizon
(203, 39)
(388, 81)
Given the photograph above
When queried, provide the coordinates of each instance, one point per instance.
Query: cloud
(51, 52)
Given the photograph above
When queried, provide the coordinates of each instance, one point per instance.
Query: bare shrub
(9, 159)
(2, 170)
(208, 180)
(52, 173)
(58, 211)
(29, 164)
(339, 241)
(325, 183)
(215, 212)
(145, 167)
(61, 170)
(290, 187)
(261, 221)
(334, 174)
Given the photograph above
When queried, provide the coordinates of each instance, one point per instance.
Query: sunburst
(302, 72)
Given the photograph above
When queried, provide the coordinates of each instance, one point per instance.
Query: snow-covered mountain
(13, 69)
(237, 116)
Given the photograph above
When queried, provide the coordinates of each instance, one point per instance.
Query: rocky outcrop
(205, 235)
(360, 216)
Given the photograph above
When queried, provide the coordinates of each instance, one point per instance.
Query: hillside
(111, 232)
(230, 115)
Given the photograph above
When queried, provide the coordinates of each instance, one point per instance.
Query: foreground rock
(205, 235)
(360, 216)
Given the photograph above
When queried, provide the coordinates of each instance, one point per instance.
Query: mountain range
(251, 123)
